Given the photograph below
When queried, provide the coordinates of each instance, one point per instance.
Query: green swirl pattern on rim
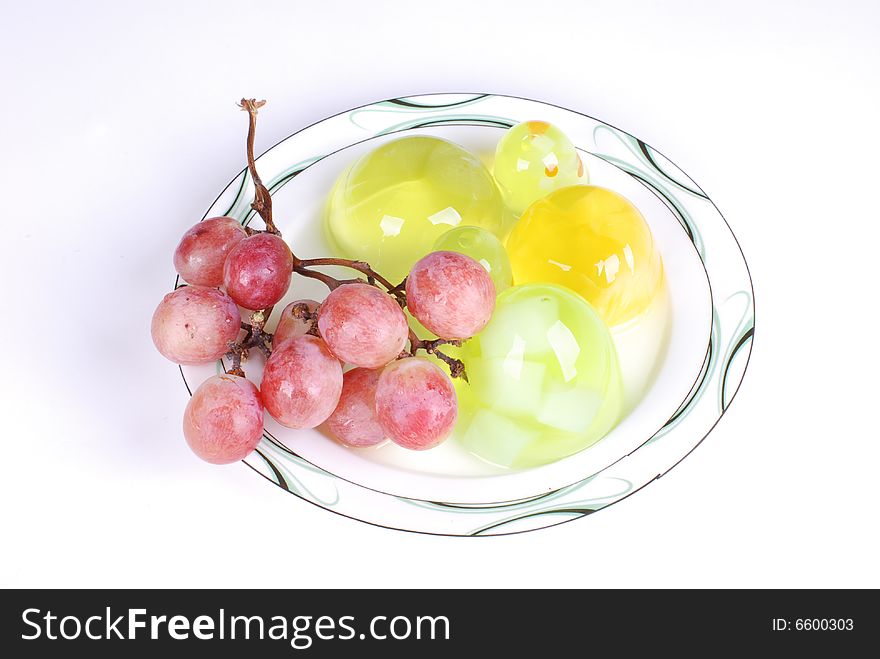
(732, 323)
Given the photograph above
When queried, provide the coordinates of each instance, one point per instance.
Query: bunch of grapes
(389, 393)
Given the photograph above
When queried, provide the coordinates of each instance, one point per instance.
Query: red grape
(223, 421)
(194, 325)
(289, 326)
(302, 382)
(354, 421)
(363, 325)
(203, 249)
(416, 403)
(450, 294)
(257, 271)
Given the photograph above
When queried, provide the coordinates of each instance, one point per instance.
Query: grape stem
(331, 282)
(302, 312)
(400, 289)
(360, 266)
(456, 366)
(304, 267)
(255, 337)
(259, 318)
(263, 205)
(262, 199)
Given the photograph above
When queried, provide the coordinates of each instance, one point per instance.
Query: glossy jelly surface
(483, 247)
(390, 206)
(593, 241)
(533, 159)
(544, 379)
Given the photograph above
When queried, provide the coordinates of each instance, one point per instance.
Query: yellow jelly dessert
(595, 242)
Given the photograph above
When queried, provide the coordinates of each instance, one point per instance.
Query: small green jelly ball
(483, 247)
(544, 379)
(390, 206)
(533, 159)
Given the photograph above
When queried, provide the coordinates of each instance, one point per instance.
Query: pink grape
(450, 294)
(302, 382)
(354, 421)
(289, 326)
(363, 325)
(223, 421)
(200, 255)
(257, 271)
(416, 403)
(194, 325)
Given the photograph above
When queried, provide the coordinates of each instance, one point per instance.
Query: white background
(119, 127)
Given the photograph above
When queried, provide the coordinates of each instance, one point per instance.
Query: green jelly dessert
(390, 206)
(544, 380)
(483, 247)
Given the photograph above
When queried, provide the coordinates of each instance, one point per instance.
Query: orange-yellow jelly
(595, 242)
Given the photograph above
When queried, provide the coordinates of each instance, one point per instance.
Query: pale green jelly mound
(544, 380)
(484, 248)
(390, 206)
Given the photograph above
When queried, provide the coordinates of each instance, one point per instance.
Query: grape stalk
(256, 337)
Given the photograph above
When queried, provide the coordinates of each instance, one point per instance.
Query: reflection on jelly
(544, 379)
(391, 205)
(593, 241)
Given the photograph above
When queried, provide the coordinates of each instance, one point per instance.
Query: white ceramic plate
(696, 346)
